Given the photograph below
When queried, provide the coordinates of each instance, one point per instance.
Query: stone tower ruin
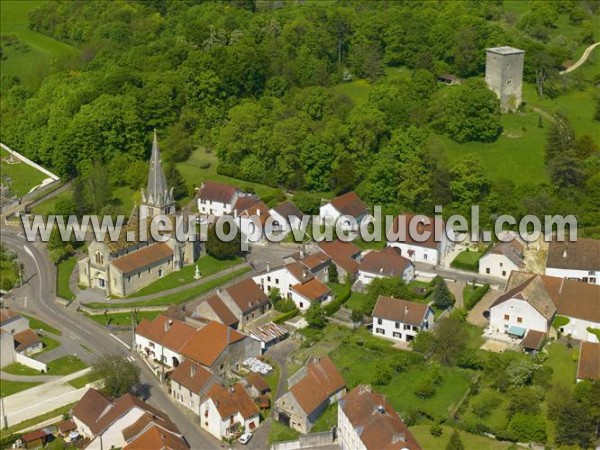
(504, 75)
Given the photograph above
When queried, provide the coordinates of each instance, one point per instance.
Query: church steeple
(158, 197)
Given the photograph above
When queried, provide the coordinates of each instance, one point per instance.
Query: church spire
(158, 196)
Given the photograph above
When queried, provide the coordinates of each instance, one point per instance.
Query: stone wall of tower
(504, 76)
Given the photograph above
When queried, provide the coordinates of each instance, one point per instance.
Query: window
(406, 327)
(276, 280)
(99, 258)
(380, 331)
(269, 279)
(501, 264)
(301, 305)
(379, 321)
(487, 270)
(425, 256)
(160, 273)
(506, 317)
(504, 273)
(397, 335)
(397, 324)
(519, 320)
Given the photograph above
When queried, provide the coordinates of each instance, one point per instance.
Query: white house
(348, 204)
(385, 263)
(295, 282)
(190, 383)
(531, 302)
(578, 260)
(366, 421)
(126, 422)
(287, 216)
(345, 255)
(400, 320)
(420, 238)
(502, 259)
(217, 199)
(227, 412)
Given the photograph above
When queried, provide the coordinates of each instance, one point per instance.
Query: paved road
(39, 288)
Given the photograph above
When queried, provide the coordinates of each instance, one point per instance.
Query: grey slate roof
(157, 192)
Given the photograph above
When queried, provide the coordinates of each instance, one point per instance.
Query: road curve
(583, 59)
(39, 276)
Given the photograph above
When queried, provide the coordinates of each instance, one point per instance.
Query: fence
(30, 362)
(310, 440)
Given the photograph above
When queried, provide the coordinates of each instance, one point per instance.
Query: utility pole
(4, 418)
(133, 321)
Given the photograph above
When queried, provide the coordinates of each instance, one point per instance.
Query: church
(126, 265)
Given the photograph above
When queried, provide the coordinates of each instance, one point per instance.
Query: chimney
(565, 253)
(268, 266)
(168, 324)
(193, 369)
(398, 437)
(304, 273)
(301, 254)
(380, 409)
(406, 310)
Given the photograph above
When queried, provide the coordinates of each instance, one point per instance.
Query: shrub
(382, 374)
(204, 165)
(284, 317)
(484, 404)
(472, 298)
(425, 389)
(560, 321)
(436, 430)
(528, 427)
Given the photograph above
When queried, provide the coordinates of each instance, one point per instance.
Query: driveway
(476, 314)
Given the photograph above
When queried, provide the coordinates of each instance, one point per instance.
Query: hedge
(284, 317)
(465, 266)
(477, 294)
(560, 321)
(336, 304)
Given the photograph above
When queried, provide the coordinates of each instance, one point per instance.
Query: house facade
(217, 199)
(578, 260)
(190, 383)
(348, 205)
(400, 320)
(345, 255)
(502, 259)
(385, 263)
(421, 238)
(287, 217)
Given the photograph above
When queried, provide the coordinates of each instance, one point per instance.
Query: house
(366, 421)
(287, 217)
(217, 199)
(504, 257)
(12, 322)
(269, 334)
(16, 337)
(449, 79)
(35, 439)
(588, 365)
(126, 422)
(219, 348)
(428, 243)
(228, 412)
(27, 342)
(531, 302)
(256, 385)
(533, 341)
(384, 263)
(297, 283)
(348, 205)
(236, 305)
(252, 216)
(189, 384)
(345, 255)
(123, 266)
(317, 262)
(400, 320)
(65, 427)
(311, 390)
(577, 260)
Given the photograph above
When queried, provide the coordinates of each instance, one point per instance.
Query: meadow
(22, 176)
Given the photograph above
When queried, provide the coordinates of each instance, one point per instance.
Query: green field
(47, 207)
(49, 344)
(83, 380)
(29, 56)
(12, 387)
(22, 176)
(206, 264)
(470, 441)
(37, 324)
(9, 274)
(64, 269)
(65, 365)
(279, 432)
(20, 369)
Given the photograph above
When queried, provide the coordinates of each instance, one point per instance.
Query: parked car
(245, 438)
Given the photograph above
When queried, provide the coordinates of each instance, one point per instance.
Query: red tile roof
(299, 272)
(209, 342)
(378, 425)
(216, 192)
(287, 209)
(7, 314)
(322, 380)
(34, 436)
(155, 438)
(435, 229)
(66, 426)
(192, 376)
(233, 400)
(314, 260)
(583, 254)
(311, 290)
(533, 340)
(90, 407)
(342, 254)
(401, 311)
(166, 331)
(247, 295)
(144, 257)
(143, 422)
(259, 383)
(386, 262)
(222, 311)
(25, 339)
(350, 204)
(588, 366)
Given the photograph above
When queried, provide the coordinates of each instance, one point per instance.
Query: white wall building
(217, 199)
(502, 259)
(348, 204)
(579, 260)
(385, 263)
(400, 320)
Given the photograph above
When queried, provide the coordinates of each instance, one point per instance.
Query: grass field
(65, 365)
(467, 260)
(37, 324)
(64, 269)
(12, 387)
(84, 380)
(22, 176)
(470, 441)
(34, 52)
(327, 421)
(122, 319)
(279, 432)
(173, 299)
(9, 274)
(206, 264)
(20, 369)
(49, 344)
(47, 207)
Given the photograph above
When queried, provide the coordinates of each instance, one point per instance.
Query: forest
(268, 87)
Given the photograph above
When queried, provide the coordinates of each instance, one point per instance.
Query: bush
(436, 430)
(560, 321)
(528, 427)
(484, 404)
(425, 389)
(333, 307)
(281, 318)
(382, 374)
(472, 298)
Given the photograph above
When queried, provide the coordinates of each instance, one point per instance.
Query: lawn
(563, 362)
(47, 207)
(9, 274)
(279, 432)
(64, 269)
(357, 90)
(467, 260)
(49, 344)
(20, 369)
(470, 441)
(327, 421)
(35, 51)
(83, 380)
(356, 301)
(65, 365)
(174, 299)
(206, 264)
(22, 176)
(12, 387)
(37, 324)
(122, 319)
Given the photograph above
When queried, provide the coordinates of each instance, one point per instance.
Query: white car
(245, 438)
